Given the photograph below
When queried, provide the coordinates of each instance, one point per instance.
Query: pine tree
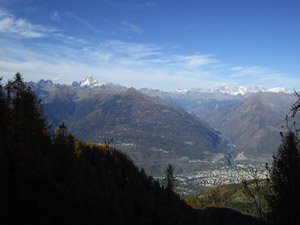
(284, 183)
(169, 178)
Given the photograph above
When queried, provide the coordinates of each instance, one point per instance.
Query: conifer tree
(169, 177)
(27, 121)
(284, 183)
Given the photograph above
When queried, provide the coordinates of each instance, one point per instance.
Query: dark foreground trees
(281, 191)
(56, 179)
(284, 183)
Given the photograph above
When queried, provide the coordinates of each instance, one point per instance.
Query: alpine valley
(204, 134)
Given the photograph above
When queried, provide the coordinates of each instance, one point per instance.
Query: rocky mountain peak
(90, 82)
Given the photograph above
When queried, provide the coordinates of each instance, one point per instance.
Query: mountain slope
(250, 118)
(253, 124)
(153, 132)
(130, 117)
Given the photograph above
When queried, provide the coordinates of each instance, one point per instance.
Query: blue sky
(162, 44)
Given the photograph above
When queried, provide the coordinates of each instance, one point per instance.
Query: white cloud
(21, 28)
(67, 58)
(195, 61)
(129, 64)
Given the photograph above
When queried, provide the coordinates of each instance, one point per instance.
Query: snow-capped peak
(238, 90)
(89, 82)
(241, 90)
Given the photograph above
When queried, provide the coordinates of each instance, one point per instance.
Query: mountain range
(223, 125)
(250, 118)
(238, 90)
(151, 131)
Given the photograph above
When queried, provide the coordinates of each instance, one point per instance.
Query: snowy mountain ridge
(90, 82)
(238, 90)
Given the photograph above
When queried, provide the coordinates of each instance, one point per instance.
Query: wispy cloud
(250, 71)
(55, 16)
(66, 58)
(80, 20)
(131, 50)
(129, 64)
(21, 28)
(132, 27)
(195, 61)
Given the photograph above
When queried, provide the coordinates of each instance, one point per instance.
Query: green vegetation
(231, 196)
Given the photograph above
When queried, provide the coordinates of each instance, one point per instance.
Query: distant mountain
(147, 128)
(198, 100)
(155, 93)
(253, 124)
(195, 101)
(238, 90)
(250, 118)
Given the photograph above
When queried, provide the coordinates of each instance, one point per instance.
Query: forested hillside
(55, 179)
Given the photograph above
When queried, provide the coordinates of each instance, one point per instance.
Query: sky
(163, 44)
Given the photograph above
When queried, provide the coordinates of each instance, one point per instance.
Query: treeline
(52, 178)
